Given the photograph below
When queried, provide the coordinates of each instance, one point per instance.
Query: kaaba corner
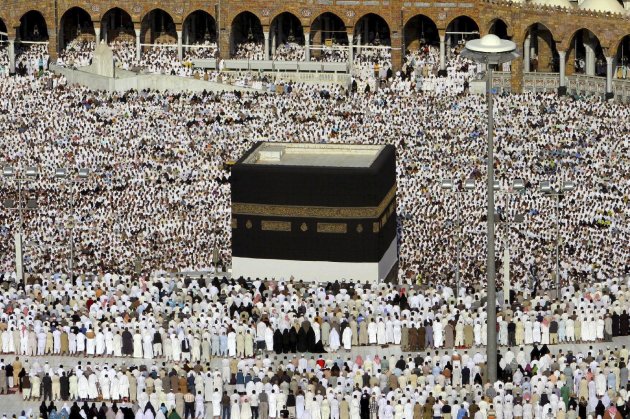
(316, 212)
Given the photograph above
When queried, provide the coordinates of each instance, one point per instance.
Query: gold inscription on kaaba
(293, 211)
(376, 227)
(267, 225)
(234, 223)
(332, 227)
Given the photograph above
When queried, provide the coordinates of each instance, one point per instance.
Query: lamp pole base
(562, 91)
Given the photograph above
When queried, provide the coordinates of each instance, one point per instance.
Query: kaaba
(316, 212)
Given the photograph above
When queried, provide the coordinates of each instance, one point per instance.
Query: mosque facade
(551, 35)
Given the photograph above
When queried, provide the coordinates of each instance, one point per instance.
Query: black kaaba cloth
(332, 204)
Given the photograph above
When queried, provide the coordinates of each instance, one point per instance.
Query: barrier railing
(578, 84)
(541, 82)
(584, 85)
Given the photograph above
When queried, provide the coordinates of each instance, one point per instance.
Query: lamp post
(548, 190)
(490, 50)
(28, 174)
(448, 185)
(82, 175)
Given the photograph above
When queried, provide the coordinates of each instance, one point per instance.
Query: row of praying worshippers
(536, 384)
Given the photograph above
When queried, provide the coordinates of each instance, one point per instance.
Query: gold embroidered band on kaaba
(295, 211)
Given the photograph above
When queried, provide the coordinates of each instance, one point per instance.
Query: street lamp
(61, 173)
(29, 173)
(448, 185)
(547, 189)
(490, 50)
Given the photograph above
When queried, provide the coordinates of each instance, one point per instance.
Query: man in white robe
(347, 338)
(334, 340)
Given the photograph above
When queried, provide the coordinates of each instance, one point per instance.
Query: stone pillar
(609, 78)
(266, 34)
(138, 47)
(570, 62)
(442, 52)
(97, 34)
(11, 55)
(274, 42)
(53, 46)
(562, 90)
(517, 76)
(350, 51)
(358, 42)
(225, 41)
(526, 54)
(307, 45)
(590, 56)
(180, 52)
(448, 46)
(396, 52)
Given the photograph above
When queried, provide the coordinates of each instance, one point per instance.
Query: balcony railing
(578, 84)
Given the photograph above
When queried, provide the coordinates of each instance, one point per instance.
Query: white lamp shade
(490, 44)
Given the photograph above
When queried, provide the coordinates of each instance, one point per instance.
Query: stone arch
(329, 37)
(75, 23)
(585, 54)
(199, 27)
(318, 20)
(246, 29)
(288, 11)
(158, 27)
(287, 27)
(621, 51)
(461, 29)
(372, 29)
(286, 32)
(33, 26)
(116, 23)
(500, 28)
(543, 54)
(420, 30)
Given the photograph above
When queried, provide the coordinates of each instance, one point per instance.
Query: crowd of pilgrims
(177, 186)
(4, 59)
(249, 50)
(289, 51)
(158, 199)
(159, 59)
(207, 345)
(371, 65)
(78, 53)
(201, 50)
(30, 59)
